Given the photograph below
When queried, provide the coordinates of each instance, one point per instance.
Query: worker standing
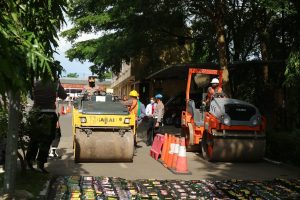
(44, 120)
(133, 107)
(215, 88)
(149, 113)
(141, 112)
(158, 116)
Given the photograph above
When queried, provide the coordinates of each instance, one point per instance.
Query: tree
(72, 75)
(142, 31)
(151, 33)
(27, 38)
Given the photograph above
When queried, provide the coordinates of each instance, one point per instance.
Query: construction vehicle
(103, 130)
(228, 130)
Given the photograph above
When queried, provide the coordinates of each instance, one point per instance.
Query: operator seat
(196, 113)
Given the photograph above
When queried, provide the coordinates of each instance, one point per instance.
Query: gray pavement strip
(145, 167)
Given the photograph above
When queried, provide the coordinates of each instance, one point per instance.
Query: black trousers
(57, 137)
(152, 130)
(41, 137)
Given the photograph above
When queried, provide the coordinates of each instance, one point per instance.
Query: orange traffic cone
(68, 110)
(175, 154)
(181, 165)
(165, 147)
(167, 150)
(169, 161)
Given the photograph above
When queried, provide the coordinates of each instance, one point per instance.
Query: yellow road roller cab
(103, 130)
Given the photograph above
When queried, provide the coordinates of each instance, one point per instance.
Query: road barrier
(156, 146)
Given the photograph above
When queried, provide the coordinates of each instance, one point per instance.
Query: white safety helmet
(214, 81)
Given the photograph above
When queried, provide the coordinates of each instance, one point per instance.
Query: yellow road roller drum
(103, 130)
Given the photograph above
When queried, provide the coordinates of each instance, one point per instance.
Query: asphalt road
(145, 167)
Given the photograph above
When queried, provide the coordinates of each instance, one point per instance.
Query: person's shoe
(137, 146)
(41, 167)
(53, 154)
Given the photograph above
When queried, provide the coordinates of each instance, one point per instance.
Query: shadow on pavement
(144, 166)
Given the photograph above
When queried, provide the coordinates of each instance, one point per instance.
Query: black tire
(190, 148)
(76, 151)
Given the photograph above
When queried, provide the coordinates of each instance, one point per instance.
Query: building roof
(180, 71)
(82, 81)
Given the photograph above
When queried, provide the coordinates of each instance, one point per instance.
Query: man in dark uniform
(91, 88)
(43, 121)
(157, 119)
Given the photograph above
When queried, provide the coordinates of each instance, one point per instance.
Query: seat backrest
(196, 113)
(191, 106)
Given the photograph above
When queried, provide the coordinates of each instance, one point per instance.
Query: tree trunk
(12, 143)
(221, 44)
(264, 56)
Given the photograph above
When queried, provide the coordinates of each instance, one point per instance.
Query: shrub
(284, 146)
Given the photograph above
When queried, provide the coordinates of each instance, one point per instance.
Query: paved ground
(145, 167)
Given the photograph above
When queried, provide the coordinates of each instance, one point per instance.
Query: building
(123, 83)
(169, 81)
(74, 86)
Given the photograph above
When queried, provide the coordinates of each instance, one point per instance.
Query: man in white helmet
(215, 88)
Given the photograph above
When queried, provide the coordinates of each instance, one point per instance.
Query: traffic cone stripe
(176, 149)
(182, 151)
(175, 155)
(172, 148)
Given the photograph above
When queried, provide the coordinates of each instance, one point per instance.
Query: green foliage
(292, 72)
(72, 75)
(108, 75)
(138, 29)
(127, 29)
(27, 41)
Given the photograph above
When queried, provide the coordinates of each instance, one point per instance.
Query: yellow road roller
(103, 130)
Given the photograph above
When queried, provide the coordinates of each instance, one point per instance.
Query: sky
(82, 69)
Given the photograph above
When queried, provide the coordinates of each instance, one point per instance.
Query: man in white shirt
(149, 113)
(150, 107)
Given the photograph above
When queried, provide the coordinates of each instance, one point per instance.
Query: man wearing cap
(215, 88)
(156, 122)
(91, 88)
